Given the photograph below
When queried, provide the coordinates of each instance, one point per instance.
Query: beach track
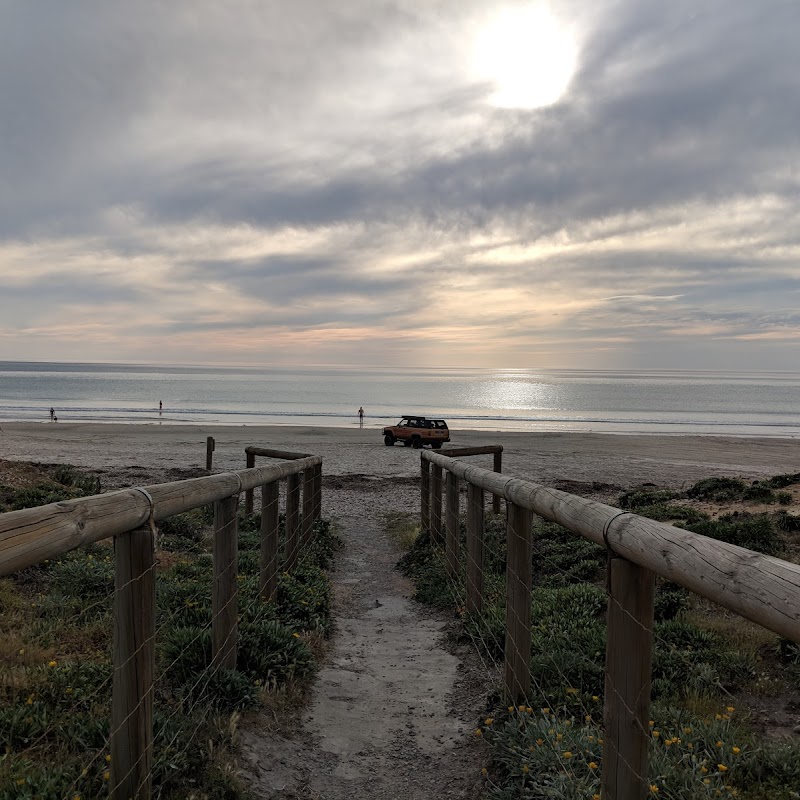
(393, 705)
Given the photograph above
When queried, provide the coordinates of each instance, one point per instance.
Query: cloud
(260, 181)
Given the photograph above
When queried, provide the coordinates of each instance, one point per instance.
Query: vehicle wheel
(388, 440)
(416, 443)
(436, 445)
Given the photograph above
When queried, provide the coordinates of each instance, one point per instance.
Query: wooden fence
(761, 588)
(34, 535)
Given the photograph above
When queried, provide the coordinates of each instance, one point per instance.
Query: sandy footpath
(543, 457)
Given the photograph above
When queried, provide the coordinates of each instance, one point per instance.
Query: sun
(527, 54)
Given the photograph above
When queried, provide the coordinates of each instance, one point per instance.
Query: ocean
(739, 404)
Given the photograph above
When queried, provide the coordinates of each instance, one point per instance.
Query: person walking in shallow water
(52, 414)
(361, 417)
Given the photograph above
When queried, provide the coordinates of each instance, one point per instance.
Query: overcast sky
(442, 182)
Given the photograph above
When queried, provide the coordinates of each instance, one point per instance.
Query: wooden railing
(33, 535)
(760, 588)
(461, 452)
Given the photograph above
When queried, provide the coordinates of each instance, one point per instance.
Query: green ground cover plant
(55, 658)
(720, 490)
(551, 747)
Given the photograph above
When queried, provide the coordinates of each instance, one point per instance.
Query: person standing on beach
(160, 406)
(52, 414)
(361, 417)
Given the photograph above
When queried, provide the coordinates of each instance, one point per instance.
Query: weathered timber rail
(33, 535)
(761, 588)
(487, 449)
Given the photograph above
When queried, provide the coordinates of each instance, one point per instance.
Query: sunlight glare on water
(513, 394)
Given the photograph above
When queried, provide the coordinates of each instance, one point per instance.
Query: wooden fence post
(629, 650)
(224, 591)
(308, 506)
(248, 495)
(292, 521)
(498, 468)
(475, 537)
(134, 657)
(425, 496)
(518, 603)
(210, 444)
(452, 543)
(318, 492)
(436, 504)
(268, 576)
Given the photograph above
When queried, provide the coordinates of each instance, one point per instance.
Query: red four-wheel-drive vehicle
(416, 431)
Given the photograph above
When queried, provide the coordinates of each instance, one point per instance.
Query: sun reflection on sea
(518, 393)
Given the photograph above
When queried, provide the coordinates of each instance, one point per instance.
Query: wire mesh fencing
(125, 663)
(611, 686)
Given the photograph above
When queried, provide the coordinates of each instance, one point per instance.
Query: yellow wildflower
(488, 721)
(107, 775)
(525, 768)
(478, 732)
(52, 663)
(722, 768)
(730, 709)
(736, 750)
(653, 788)
(592, 765)
(656, 734)
(567, 754)
(595, 698)
(108, 757)
(570, 690)
(540, 742)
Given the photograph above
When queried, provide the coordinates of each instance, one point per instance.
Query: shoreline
(544, 457)
(522, 426)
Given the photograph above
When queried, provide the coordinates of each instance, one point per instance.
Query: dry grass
(403, 528)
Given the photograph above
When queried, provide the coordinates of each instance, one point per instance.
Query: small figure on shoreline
(52, 414)
(160, 406)
(361, 417)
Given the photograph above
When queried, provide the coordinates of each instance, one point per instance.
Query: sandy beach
(154, 452)
(388, 652)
